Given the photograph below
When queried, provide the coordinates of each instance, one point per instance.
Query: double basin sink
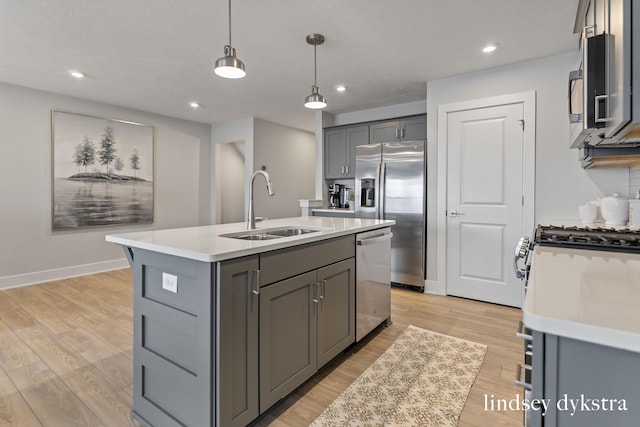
(273, 233)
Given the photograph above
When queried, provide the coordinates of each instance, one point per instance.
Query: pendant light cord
(315, 66)
(229, 22)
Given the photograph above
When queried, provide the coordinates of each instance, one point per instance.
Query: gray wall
(290, 158)
(289, 155)
(561, 184)
(29, 250)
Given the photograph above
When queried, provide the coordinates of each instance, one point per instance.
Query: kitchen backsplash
(634, 181)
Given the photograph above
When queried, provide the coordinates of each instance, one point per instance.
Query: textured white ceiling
(157, 55)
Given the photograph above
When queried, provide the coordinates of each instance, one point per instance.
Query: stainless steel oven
(529, 371)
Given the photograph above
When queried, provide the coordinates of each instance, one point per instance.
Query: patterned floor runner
(423, 379)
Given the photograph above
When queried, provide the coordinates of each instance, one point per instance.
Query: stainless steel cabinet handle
(323, 288)
(256, 283)
(315, 293)
(397, 133)
(456, 213)
(402, 132)
(346, 168)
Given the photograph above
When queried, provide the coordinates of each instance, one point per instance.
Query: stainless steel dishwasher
(373, 280)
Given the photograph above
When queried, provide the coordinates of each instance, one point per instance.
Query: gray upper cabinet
(410, 129)
(340, 150)
(237, 373)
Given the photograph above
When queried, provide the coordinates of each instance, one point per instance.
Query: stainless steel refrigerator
(391, 184)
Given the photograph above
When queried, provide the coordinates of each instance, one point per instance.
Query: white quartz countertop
(205, 243)
(587, 295)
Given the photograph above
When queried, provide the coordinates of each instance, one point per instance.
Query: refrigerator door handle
(381, 186)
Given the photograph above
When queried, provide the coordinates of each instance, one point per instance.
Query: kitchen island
(583, 307)
(228, 321)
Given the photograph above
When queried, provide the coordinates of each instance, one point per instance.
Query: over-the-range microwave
(587, 92)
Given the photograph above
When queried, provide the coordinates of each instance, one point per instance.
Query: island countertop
(587, 295)
(205, 243)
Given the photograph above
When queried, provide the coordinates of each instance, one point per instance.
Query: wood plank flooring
(66, 355)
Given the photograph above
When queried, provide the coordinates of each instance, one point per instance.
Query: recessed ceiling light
(76, 74)
(490, 47)
(194, 104)
(341, 88)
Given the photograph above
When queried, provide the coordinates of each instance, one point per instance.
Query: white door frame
(528, 99)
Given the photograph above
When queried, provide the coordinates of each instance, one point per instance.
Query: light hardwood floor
(66, 358)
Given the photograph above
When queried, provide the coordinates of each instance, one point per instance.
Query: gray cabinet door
(384, 132)
(288, 336)
(335, 142)
(357, 135)
(237, 348)
(340, 150)
(336, 309)
(414, 129)
(411, 129)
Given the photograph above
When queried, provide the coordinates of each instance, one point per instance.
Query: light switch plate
(170, 282)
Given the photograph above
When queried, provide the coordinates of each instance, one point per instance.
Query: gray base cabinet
(237, 346)
(288, 322)
(172, 339)
(305, 321)
(584, 383)
(232, 338)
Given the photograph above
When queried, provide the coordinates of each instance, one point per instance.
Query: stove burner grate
(595, 238)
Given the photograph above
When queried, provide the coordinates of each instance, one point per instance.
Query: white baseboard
(434, 287)
(61, 273)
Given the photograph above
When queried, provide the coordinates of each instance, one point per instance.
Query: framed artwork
(102, 171)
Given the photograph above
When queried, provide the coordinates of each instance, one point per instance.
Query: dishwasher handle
(373, 240)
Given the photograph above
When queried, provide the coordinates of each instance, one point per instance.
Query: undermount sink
(272, 233)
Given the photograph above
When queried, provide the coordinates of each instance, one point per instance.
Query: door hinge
(523, 200)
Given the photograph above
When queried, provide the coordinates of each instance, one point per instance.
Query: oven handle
(520, 333)
(519, 381)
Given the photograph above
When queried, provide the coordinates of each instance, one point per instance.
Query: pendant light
(315, 101)
(229, 66)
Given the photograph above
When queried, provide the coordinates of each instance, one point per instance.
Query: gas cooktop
(595, 238)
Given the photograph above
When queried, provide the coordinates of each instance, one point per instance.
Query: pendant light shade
(229, 66)
(315, 101)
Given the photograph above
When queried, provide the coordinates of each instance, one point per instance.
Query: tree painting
(134, 160)
(117, 164)
(85, 154)
(102, 171)
(107, 152)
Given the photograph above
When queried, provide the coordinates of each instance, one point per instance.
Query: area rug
(423, 379)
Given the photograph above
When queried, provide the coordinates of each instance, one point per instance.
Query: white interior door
(484, 202)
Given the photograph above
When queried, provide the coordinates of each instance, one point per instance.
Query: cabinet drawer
(283, 263)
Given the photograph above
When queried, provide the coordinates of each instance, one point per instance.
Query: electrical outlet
(170, 282)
